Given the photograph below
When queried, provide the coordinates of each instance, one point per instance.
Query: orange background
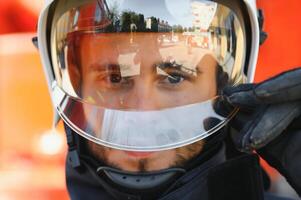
(282, 50)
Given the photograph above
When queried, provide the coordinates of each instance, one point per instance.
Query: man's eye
(115, 78)
(175, 78)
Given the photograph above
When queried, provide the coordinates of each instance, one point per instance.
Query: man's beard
(187, 153)
(182, 156)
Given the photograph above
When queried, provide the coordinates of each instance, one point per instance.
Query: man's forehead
(121, 49)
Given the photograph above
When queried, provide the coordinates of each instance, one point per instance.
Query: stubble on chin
(158, 161)
(185, 154)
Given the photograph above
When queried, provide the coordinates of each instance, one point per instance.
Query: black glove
(269, 121)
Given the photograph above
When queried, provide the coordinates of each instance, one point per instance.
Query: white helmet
(146, 75)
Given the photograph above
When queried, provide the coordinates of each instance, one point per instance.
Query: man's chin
(139, 161)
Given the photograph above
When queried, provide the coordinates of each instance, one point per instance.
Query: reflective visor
(142, 75)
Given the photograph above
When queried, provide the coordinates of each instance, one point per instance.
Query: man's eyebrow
(180, 67)
(191, 71)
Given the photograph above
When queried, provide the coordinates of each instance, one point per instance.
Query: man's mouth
(139, 154)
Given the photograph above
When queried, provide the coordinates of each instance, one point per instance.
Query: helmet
(146, 75)
(143, 76)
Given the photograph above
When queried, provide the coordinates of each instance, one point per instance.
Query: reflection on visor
(155, 128)
(144, 130)
(144, 70)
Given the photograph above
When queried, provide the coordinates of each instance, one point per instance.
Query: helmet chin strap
(140, 181)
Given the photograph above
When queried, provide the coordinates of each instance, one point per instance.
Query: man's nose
(144, 95)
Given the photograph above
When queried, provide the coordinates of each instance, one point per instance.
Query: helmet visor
(144, 75)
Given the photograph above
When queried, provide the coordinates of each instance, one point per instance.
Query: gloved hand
(269, 121)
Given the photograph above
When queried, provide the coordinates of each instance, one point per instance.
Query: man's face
(137, 71)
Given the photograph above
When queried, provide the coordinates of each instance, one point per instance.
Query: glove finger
(241, 119)
(282, 88)
(240, 125)
(268, 124)
(241, 96)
